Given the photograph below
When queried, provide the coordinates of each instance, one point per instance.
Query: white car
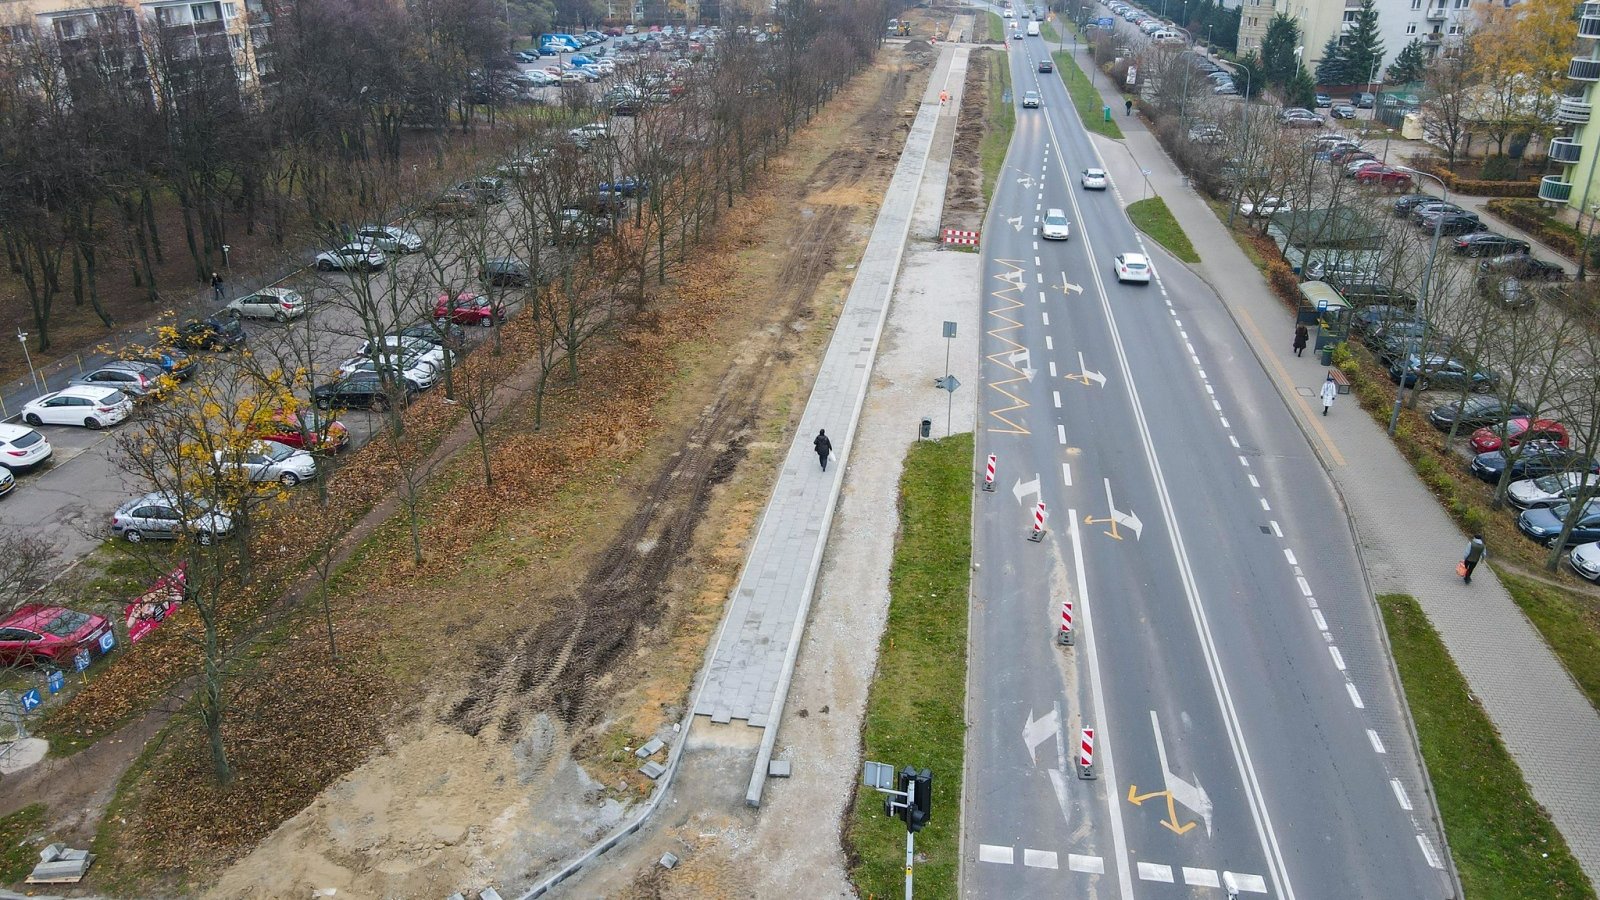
(1548, 490)
(272, 461)
(1585, 560)
(281, 304)
(1094, 180)
(401, 346)
(391, 239)
(410, 365)
(79, 404)
(1132, 267)
(21, 447)
(357, 255)
(590, 132)
(1030, 100)
(1266, 207)
(1055, 227)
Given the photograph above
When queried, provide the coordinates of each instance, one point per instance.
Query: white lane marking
(1155, 872)
(1264, 505)
(1119, 839)
(1052, 368)
(1253, 482)
(1177, 321)
(1183, 334)
(1234, 441)
(1039, 859)
(1276, 531)
(1040, 276)
(1046, 315)
(1211, 390)
(1201, 877)
(1061, 433)
(1202, 374)
(1355, 695)
(1066, 473)
(991, 853)
(1056, 396)
(1428, 853)
(1036, 260)
(1245, 461)
(1216, 405)
(1322, 624)
(1190, 347)
(1338, 658)
(1049, 342)
(1400, 794)
(1377, 742)
(1305, 586)
(1241, 882)
(1224, 421)
(1094, 865)
(1036, 246)
(1289, 555)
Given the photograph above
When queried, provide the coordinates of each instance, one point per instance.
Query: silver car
(272, 461)
(164, 516)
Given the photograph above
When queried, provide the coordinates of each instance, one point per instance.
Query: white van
(1168, 37)
(1033, 29)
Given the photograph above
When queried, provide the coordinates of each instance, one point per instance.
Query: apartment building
(1439, 24)
(1578, 150)
(1254, 16)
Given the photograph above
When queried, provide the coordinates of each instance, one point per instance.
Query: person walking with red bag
(1476, 551)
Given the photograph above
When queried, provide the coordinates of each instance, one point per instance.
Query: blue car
(627, 186)
(1543, 524)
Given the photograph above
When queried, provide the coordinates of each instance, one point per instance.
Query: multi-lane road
(1248, 732)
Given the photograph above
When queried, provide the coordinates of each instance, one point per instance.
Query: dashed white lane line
(1253, 482)
(1305, 586)
(1224, 421)
(1245, 461)
(1255, 884)
(1400, 794)
(1155, 872)
(1052, 368)
(1061, 434)
(1316, 616)
(1428, 853)
(1049, 342)
(1276, 531)
(1094, 865)
(1036, 260)
(993, 854)
(1289, 555)
(1234, 441)
(1355, 696)
(1264, 505)
(1056, 396)
(1046, 315)
(1338, 658)
(1066, 473)
(1201, 877)
(1040, 276)
(1377, 742)
(1039, 859)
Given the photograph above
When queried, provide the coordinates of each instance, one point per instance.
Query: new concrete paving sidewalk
(1409, 544)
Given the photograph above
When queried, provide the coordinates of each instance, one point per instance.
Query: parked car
(361, 390)
(1452, 223)
(1206, 134)
(165, 516)
(270, 461)
(504, 271)
(467, 308)
(223, 331)
(1055, 227)
(1534, 460)
(39, 635)
(408, 366)
(1438, 370)
(1550, 490)
(1342, 111)
(1371, 318)
(1094, 180)
(1266, 206)
(139, 380)
(79, 404)
(22, 448)
(278, 304)
(357, 256)
(8, 481)
(1132, 267)
(303, 430)
(1474, 412)
(440, 334)
(1407, 205)
(389, 238)
(584, 135)
(1519, 430)
(1387, 176)
(1488, 243)
(625, 186)
(1322, 101)
(1358, 163)
(1544, 523)
(453, 204)
(1363, 291)
(485, 189)
(1521, 266)
(1429, 205)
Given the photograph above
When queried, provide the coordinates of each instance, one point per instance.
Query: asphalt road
(1248, 731)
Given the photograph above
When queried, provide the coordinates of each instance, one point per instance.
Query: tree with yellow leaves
(1519, 60)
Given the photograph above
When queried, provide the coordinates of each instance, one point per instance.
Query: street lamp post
(1422, 303)
(1244, 113)
(22, 338)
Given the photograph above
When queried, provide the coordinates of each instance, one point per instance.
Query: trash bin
(1326, 356)
(1108, 114)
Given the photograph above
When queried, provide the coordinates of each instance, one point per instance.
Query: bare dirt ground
(516, 755)
(963, 199)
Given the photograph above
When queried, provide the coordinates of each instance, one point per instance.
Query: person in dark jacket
(1300, 338)
(216, 286)
(823, 446)
(1476, 551)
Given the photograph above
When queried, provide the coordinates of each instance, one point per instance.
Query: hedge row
(1475, 187)
(1536, 220)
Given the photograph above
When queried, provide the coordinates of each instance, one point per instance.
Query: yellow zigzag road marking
(1008, 296)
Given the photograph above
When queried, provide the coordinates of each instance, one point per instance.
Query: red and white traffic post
(1064, 637)
(1038, 523)
(988, 475)
(1086, 753)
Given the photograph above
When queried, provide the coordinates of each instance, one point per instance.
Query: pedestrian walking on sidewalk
(1127, 107)
(1329, 391)
(216, 287)
(1300, 338)
(1476, 551)
(824, 447)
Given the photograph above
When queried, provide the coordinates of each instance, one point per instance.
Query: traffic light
(921, 802)
(897, 806)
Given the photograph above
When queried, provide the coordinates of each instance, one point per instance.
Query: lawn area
(1086, 97)
(916, 707)
(997, 28)
(1152, 217)
(1567, 621)
(1002, 121)
(1503, 844)
(18, 854)
(1048, 32)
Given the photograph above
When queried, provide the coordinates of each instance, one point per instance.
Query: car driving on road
(1094, 179)
(1030, 100)
(1132, 267)
(1055, 226)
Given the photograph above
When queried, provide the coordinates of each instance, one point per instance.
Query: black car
(1046, 65)
(1521, 265)
(1408, 204)
(440, 334)
(1488, 243)
(1378, 315)
(174, 362)
(223, 331)
(1536, 459)
(360, 390)
(1452, 223)
(1475, 412)
(504, 271)
(1430, 205)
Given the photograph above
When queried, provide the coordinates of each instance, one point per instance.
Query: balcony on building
(1582, 68)
(1572, 111)
(1433, 37)
(1589, 21)
(1566, 151)
(1437, 13)
(1553, 189)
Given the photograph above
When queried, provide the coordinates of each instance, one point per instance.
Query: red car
(1509, 434)
(48, 634)
(284, 428)
(1384, 175)
(468, 309)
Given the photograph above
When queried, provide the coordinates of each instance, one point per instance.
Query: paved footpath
(1409, 544)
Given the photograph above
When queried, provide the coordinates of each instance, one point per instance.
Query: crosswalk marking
(1255, 884)
(994, 854)
(1200, 877)
(1039, 859)
(1155, 872)
(1091, 864)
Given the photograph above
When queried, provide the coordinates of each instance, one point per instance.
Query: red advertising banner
(151, 608)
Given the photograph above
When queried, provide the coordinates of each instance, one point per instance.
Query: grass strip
(997, 28)
(1048, 33)
(915, 707)
(1152, 217)
(1503, 844)
(1568, 623)
(1002, 121)
(1086, 97)
(20, 842)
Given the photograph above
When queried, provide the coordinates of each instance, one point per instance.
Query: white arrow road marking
(1037, 731)
(1014, 222)
(1069, 286)
(1126, 519)
(1096, 377)
(1026, 488)
(1192, 796)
